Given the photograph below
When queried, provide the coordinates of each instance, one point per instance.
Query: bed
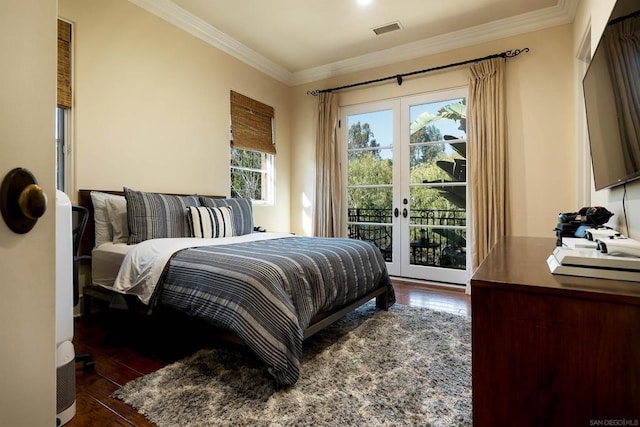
(272, 290)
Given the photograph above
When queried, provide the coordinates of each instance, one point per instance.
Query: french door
(406, 182)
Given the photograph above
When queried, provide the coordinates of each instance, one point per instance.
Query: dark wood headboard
(89, 237)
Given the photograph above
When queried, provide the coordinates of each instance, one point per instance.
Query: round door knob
(22, 200)
(32, 201)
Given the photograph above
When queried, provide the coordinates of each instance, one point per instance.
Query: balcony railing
(432, 242)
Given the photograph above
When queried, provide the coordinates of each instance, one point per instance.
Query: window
(253, 149)
(252, 175)
(63, 109)
(62, 149)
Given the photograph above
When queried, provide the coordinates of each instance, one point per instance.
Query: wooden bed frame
(319, 322)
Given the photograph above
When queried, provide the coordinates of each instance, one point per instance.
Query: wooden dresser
(552, 350)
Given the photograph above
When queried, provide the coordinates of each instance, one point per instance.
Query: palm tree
(456, 111)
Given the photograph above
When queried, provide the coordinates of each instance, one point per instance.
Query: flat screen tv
(612, 98)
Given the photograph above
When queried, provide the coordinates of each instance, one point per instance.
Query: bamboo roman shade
(64, 64)
(251, 124)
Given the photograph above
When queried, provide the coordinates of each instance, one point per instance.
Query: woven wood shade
(64, 64)
(251, 124)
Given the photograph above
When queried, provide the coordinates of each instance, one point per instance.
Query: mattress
(106, 260)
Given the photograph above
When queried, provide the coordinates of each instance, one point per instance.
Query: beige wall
(152, 113)
(541, 107)
(27, 270)
(152, 106)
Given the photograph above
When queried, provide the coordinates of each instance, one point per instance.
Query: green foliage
(246, 183)
(425, 153)
(422, 121)
(369, 169)
(456, 111)
(423, 161)
(361, 136)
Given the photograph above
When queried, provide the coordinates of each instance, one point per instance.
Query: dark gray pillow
(154, 215)
(241, 211)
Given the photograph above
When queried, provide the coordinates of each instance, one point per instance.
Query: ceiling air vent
(387, 28)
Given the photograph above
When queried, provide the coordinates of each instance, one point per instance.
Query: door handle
(395, 212)
(22, 200)
(404, 212)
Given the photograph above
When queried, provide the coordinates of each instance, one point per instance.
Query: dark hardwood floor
(126, 346)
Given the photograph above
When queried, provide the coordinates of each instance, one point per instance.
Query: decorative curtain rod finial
(516, 52)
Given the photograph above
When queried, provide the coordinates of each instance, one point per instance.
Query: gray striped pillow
(241, 210)
(153, 215)
(210, 222)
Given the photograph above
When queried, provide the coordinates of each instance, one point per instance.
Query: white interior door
(27, 267)
(406, 182)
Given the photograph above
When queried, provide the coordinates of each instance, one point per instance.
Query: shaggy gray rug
(405, 367)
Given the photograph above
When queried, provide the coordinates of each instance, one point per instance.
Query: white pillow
(104, 231)
(210, 222)
(117, 214)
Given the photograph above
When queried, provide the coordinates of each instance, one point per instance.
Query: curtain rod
(399, 77)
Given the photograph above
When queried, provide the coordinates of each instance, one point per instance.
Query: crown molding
(562, 13)
(186, 21)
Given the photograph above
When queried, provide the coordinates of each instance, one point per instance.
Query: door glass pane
(438, 162)
(373, 199)
(370, 178)
(370, 130)
(438, 190)
(370, 209)
(370, 167)
(438, 247)
(438, 204)
(379, 235)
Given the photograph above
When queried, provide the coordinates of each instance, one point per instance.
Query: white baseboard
(449, 286)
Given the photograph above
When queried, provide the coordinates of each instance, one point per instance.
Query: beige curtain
(328, 215)
(486, 135)
(623, 42)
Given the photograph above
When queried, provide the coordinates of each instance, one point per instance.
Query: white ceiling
(298, 41)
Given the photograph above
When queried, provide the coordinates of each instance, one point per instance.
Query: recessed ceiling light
(364, 2)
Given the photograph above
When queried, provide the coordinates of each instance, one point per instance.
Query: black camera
(574, 224)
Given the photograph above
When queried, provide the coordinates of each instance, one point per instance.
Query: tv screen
(612, 98)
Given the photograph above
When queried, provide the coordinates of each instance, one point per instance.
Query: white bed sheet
(143, 263)
(106, 260)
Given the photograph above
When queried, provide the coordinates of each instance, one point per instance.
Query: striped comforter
(268, 291)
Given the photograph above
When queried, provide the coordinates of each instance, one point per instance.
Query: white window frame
(268, 181)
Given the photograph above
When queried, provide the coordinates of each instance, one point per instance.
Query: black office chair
(80, 216)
